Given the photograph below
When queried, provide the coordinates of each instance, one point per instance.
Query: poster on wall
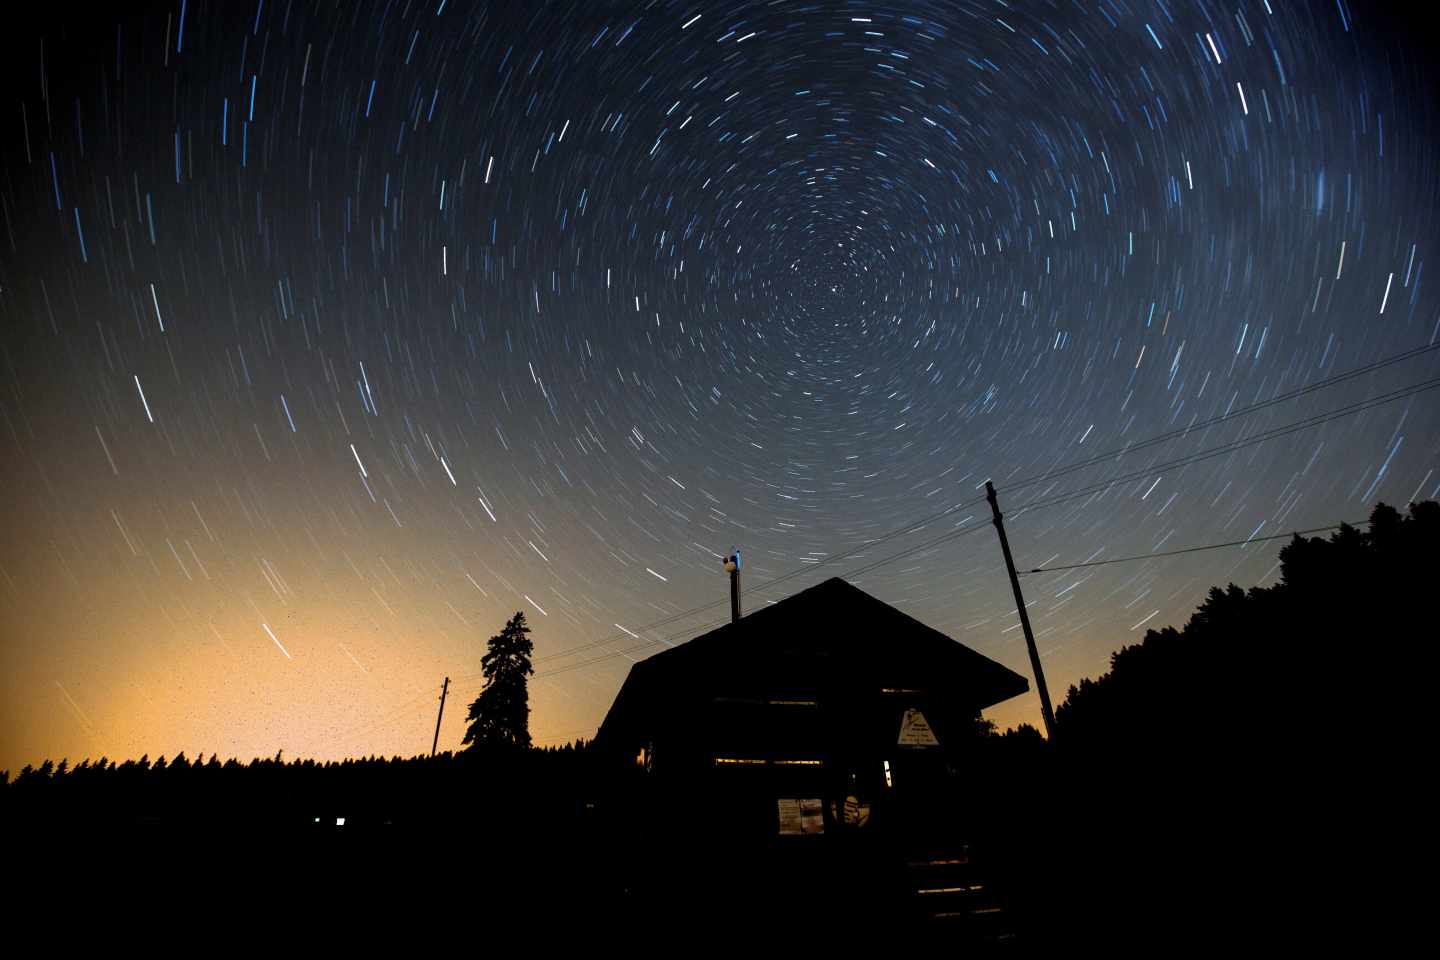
(812, 816)
(798, 817)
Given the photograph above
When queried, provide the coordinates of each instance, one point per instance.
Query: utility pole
(732, 566)
(446, 689)
(1040, 687)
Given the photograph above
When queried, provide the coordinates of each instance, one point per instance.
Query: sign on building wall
(915, 730)
(801, 817)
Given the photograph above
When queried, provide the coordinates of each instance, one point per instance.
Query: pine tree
(500, 716)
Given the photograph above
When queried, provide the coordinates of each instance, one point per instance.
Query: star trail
(334, 334)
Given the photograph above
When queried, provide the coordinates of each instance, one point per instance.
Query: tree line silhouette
(1293, 657)
(366, 792)
(1265, 761)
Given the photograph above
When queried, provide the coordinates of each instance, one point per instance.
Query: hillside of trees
(1278, 668)
(1266, 753)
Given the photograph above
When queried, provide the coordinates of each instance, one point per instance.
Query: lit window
(888, 781)
(760, 762)
(339, 821)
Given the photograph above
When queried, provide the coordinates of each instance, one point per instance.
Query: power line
(1031, 481)
(908, 528)
(1230, 447)
(1175, 553)
(638, 648)
(916, 549)
(858, 571)
(370, 725)
(1222, 450)
(649, 644)
(1222, 418)
(1274, 433)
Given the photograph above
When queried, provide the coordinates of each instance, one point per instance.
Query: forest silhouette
(1244, 771)
(1258, 769)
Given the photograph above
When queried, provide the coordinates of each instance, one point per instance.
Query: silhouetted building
(777, 723)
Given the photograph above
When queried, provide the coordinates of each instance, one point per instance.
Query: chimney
(732, 567)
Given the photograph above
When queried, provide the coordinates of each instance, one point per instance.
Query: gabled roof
(832, 632)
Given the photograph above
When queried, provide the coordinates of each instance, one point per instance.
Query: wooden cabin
(829, 713)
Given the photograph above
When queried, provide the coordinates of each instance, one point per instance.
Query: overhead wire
(364, 728)
(1187, 460)
(1225, 417)
(1020, 484)
(1222, 450)
(1197, 549)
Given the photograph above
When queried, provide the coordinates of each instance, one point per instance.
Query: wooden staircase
(946, 891)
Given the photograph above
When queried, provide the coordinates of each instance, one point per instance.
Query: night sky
(333, 334)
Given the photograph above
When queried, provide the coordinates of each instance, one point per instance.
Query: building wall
(721, 762)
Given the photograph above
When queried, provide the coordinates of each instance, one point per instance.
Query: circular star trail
(334, 334)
